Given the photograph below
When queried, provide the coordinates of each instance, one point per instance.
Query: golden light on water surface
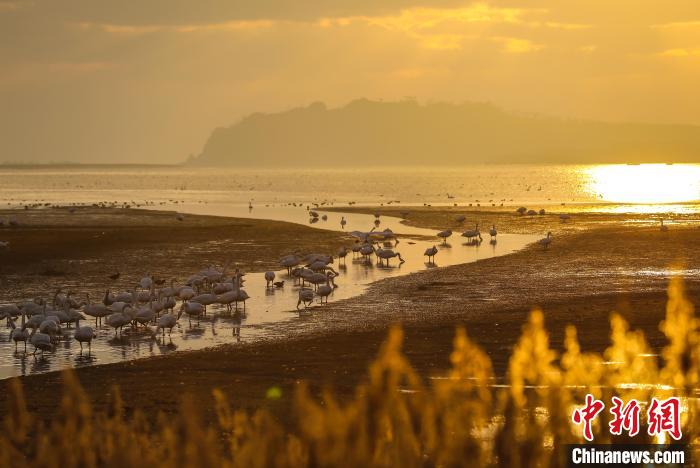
(645, 183)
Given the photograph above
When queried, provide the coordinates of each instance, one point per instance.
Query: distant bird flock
(156, 308)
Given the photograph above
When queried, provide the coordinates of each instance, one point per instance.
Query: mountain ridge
(368, 132)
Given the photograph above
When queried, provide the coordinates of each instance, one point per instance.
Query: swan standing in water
(146, 282)
(118, 319)
(236, 294)
(242, 296)
(342, 253)
(386, 254)
(472, 234)
(325, 290)
(186, 293)
(96, 310)
(205, 299)
(168, 321)
(306, 297)
(20, 334)
(289, 262)
(343, 222)
(109, 298)
(192, 309)
(83, 335)
(366, 251)
(41, 342)
(269, 278)
(170, 290)
(444, 235)
(546, 241)
(493, 233)
(50, 327)
(144, 315)
(430, 253)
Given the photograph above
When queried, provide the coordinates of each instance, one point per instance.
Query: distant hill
(368, 132)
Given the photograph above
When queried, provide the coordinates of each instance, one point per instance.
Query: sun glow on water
(645, 183)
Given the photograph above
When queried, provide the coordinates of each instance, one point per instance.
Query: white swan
(170, 290)
(387, 254)
(444, 235)
(9, 311)
(269, 278)
(430, 253)
(205, 299)
(234, 296)
(19, 334)
(472, 233)
(124, 296)
(168, 321)
(41, 342)
(50, 327)
(83, 335)
(342, 253)
(144, 315)
(118, 319)
(289, 262)
(220, 288)
(366, 251)
(306, 297)
(146, 282)
(109, 298)
(192, 309)
(546, 241)
(186, 293)
(169, 303)
(98, 311)
(144, 296)
(318, 279)
(325, 290)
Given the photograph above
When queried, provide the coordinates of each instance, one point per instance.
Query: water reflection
(650, 184)
(266, 306)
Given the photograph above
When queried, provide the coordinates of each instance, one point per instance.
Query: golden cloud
(431, 28)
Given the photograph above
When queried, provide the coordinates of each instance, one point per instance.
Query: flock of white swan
(44, 322)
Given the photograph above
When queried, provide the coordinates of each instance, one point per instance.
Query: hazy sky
(147, 80)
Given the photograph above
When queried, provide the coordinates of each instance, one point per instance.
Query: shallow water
(646, 187)
(265, 306)
(227, 192)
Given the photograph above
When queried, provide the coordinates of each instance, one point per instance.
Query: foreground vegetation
(395, 418)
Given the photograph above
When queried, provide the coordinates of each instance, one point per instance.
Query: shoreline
(82, 266)
(333, 346)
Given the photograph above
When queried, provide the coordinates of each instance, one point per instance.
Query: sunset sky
(147, 81)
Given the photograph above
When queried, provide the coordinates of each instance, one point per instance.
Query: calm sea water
(658, 187)
(228, 192)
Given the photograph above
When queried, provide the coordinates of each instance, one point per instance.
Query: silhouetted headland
(406, 132)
